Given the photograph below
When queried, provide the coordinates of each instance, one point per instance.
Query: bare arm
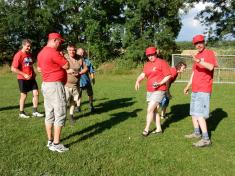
(39, 69)
(66, 66)
(203, 63)
(84, 68)
(17, 71)
(164, 80)
(138, 80)
(186, 89)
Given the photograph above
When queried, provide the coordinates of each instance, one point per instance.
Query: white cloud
(190, 25)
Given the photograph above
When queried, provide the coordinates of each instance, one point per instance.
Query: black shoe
(92, 109)
(77, 109)
(72, 120)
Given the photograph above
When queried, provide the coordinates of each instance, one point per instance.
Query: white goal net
(225, 73)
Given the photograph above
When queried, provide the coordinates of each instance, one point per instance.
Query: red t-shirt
(51, 62)
(155, 71)
(174, 74)
(203, 78)
(23, 62)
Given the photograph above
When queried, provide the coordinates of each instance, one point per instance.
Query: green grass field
(110, 142)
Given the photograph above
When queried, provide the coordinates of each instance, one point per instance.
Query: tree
(151, 22)
(219, 16)
(32, 19)
(105, 28)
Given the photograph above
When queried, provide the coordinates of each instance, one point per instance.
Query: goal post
(225, 73)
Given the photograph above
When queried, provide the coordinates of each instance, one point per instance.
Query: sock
(205, 136)
(197, 131)
(34, 109)
(22, 112)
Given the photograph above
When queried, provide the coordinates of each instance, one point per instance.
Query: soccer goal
(225, 73)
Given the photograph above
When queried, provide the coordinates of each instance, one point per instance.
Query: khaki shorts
(54, 103)
(72, 94)
(155, 96)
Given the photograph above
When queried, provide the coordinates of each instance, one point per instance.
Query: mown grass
(109, 141)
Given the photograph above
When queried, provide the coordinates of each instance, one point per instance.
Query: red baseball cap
(150, 51)
(198, 38)
(55, 35)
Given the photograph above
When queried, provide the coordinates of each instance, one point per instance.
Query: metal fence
(225, 73)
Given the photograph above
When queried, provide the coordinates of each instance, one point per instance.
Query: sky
(191, 26)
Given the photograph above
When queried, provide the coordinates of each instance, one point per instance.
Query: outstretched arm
(138, 80)
(186, 89)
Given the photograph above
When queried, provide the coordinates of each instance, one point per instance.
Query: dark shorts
(27, 85)
(165, 102)
(88, 89)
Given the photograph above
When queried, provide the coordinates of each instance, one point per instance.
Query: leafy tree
(151, 22)
(106, 28)
(32, 19)
(222, 15)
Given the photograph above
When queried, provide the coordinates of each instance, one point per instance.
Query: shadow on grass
(85, 100)
(215, 118)
(178, 112)
(109, 106)
(15, 107)
(98, 128)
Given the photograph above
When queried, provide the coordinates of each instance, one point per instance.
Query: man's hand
(186, 90)
(26, 76)
(195, 59)
(137, 85)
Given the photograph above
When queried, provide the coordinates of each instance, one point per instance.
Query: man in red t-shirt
(201, 81)
(22, 65)
(179, 68)
(53, 66)
(157, 72)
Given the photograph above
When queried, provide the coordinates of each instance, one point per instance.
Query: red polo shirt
(203, 78)
(51, 62)
(23, 62)
(155, 71)
(174, 74)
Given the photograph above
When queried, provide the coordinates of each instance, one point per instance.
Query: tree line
(108, 29)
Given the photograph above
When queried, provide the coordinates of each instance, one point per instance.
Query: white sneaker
(24, 116)
(37, 114)
(58, 148)
(49, 143)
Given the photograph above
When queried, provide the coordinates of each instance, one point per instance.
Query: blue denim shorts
(164, 102)
(200, 104)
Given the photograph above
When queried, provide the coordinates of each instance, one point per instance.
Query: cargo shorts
(72, 94)
(155, 96)
(54, 103)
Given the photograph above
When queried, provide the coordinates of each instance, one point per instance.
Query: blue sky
(190, 26)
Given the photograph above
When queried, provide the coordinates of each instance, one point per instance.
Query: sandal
(145, 133)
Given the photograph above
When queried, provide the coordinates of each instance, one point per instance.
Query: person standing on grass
(53, 66)
(85, 81)
(157, 72)
(22, 65)
(179, 68)
(201, 81)
(72, 85)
